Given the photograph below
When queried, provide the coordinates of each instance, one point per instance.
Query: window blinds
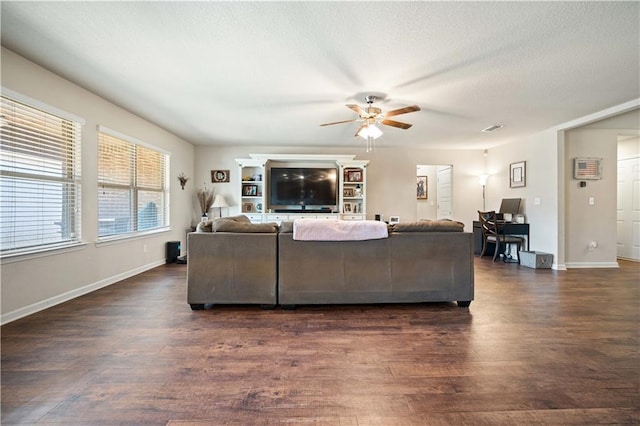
(133, 187)
(40, 177)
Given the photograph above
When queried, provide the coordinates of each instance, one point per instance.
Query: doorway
(436, 200)
(628, 209)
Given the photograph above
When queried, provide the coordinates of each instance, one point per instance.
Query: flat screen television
(303, 188)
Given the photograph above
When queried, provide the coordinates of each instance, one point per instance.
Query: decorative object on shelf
(249, 190)
(183, 180)
(348, 192)
(219, 176)
(358, 191)
(517, 175)
(259, 207)
(205, 199)
(219, 202)
(247, 207)
(347, 208)
(422, 188)
(353, 175)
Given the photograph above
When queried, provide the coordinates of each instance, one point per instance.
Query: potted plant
(205, 198)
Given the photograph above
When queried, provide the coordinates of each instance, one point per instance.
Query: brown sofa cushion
(428, 226)
(241, 224)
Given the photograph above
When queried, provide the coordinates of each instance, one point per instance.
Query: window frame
(134, 189)
(72, 177)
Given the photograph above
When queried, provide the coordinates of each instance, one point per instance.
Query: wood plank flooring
(535, 347)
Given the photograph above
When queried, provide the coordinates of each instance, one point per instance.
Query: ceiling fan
(371, 116)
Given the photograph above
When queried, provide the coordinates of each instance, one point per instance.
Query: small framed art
(219, 176)
(587, 168)
(517, 174)
(422, 188)
(249, 190)
(353, 175)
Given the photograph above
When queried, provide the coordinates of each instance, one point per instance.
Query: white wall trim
(64, 297)
(559, 267)
(584, 265)
(600, 115)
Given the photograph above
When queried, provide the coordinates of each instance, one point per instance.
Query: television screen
(303, 186)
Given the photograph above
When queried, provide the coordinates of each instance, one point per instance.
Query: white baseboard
(56, 300)
(583, 265)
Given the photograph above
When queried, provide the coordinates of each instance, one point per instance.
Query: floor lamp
(483, 181)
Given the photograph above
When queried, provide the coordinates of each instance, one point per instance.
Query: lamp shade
(482, 179)
(219, 201)
(370, 131)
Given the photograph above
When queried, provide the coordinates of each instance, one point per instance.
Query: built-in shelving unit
(353, 194)
(253, 187)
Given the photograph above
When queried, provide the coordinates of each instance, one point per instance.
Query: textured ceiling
(253, 73)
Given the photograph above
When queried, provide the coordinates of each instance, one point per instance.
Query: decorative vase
(204, 218)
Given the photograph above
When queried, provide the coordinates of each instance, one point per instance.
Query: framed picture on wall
(517, 175)
(422, 188)
(218, 176)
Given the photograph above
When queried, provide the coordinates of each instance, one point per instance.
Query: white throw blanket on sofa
(338, 230)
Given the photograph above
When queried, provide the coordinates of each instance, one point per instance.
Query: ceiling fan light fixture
(370, 131)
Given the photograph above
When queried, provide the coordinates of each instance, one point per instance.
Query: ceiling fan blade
(360, 128)
(404, 110)
(357, 109)
(338, 122)
(396, 124)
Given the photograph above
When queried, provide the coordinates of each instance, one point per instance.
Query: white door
(443, 193)
(628, 210)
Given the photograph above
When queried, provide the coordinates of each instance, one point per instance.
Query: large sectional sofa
(232, 261)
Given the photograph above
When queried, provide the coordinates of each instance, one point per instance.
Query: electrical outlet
(144, 248)
(592, 201)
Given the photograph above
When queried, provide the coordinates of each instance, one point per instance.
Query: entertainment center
(276, 188)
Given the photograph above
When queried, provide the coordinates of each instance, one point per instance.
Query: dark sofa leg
(267, 307)
(288, 307)
(197, 306)
(464, 303)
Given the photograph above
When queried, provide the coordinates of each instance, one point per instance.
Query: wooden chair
(491, 234)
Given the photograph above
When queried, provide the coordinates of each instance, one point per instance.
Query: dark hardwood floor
(535, 347)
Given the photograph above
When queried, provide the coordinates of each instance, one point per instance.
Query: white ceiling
(253, 73)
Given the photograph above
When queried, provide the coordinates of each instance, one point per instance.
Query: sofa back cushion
(428, 226)
(239, 224)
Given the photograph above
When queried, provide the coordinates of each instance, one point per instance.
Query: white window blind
(133, 186)
(40, 177)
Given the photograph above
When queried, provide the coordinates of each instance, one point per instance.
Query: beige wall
(539, 195)
(587, 223)
(32, 283)
(391, 177)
